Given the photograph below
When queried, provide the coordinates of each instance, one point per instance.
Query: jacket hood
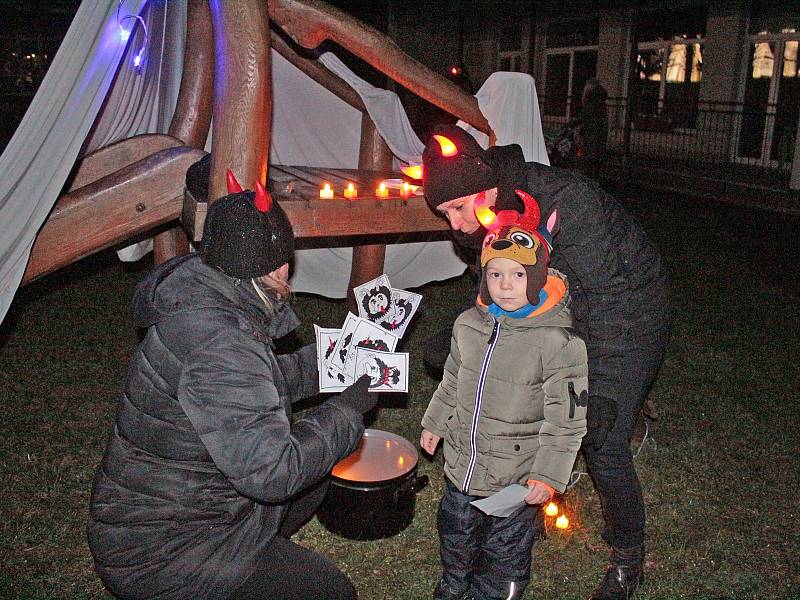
(186, 283)
(554, 312)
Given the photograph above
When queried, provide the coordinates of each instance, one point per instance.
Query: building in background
(702, 83)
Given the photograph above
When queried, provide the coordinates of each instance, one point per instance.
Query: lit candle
(382, 191)
(350, 191)
(326, 191)
(562, 522)
(405, 191)
(551, 510)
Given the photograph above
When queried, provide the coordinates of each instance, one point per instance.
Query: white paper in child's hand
(401, 308)
(374, 298)
(329, 380)
(388, 371)
(503, 503)
(367, 335)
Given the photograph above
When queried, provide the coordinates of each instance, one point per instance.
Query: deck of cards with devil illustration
(365, 343)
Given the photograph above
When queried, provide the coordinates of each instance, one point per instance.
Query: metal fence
(756, 142)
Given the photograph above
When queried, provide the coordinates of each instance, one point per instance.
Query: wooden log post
(373, 155)
(192, 117)
(242, 93)
(311, 22)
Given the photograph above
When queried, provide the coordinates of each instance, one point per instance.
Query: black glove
(601, 413)
(358, 396)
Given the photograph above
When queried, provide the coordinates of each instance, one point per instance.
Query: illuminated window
(771, 95)
(669, 68)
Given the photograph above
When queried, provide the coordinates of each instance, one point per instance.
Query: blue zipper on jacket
(473, 435)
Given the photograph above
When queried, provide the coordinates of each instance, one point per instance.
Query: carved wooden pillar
(373, 155)
(192, 116)
(242, 93)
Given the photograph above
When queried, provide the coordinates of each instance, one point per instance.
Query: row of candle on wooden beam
(382, 191)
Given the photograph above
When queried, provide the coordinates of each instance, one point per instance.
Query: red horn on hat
(447, 145)
(529, 220)
(263, 200)
(233, 186)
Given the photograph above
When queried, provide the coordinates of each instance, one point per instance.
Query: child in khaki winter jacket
(511, 408)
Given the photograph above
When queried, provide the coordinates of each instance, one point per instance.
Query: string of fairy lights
(124, 34)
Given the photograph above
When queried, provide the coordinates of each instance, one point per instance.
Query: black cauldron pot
(373, 491)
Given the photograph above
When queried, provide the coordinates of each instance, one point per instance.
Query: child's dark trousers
(490, 556)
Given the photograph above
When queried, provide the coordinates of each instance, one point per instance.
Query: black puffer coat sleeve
(300, 368)
(231, 389)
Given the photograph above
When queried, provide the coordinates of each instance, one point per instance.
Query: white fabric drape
(40, 155)
(510, 104)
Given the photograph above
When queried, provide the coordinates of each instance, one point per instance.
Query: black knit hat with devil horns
(246, 234)
(455, 165)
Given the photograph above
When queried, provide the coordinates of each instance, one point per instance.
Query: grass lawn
(718, 470)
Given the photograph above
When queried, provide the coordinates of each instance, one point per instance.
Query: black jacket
(619, 288)
(203, 458)
(617, 279)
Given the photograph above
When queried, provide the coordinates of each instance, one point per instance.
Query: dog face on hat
(520, 238)
(512, 242)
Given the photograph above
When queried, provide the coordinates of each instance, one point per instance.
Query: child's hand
(538, 492)
(429, 441)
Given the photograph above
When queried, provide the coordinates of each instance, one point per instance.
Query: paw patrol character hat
(521, 238)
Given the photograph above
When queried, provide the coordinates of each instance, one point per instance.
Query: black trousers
(623, 372)
(491, 556)
(290, 572)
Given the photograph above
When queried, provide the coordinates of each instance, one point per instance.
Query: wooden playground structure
(136, 186)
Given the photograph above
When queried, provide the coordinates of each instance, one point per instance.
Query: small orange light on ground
(405, 190)
(382, 191)
(551, 510)
(350, 191)
(562, 522)
(326, 191)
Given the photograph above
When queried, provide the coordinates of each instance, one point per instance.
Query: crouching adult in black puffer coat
(206, 475)
(619, 303)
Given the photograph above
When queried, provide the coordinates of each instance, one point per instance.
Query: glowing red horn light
(233, 185)
(448, 147)
(263, 200)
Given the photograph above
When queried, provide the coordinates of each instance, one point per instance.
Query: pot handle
(414, 485)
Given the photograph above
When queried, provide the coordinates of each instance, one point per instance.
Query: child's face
(508, 283)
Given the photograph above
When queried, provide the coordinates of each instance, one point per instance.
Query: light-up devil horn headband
(447, 146)
(263, 200)
(529, 220)
(233, 184)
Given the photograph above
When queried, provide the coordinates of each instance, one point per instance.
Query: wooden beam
(242, 93)
(108, 159)
(192, 117)
(368, 260)
(311, 22)
(319, 73)
(112, 209)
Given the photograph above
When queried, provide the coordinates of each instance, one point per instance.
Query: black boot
(623, 575)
